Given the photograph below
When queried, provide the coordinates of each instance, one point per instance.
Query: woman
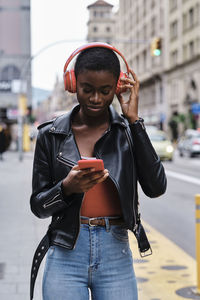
(92, 210)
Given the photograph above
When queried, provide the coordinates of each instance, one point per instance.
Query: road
(173, 214)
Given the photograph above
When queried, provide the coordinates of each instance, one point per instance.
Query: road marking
(183, 177)
(168, 270)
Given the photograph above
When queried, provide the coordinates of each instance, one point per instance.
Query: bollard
(26, 138)
(197, 201)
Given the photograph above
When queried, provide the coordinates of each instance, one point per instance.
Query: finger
(133, 74)
(128, 79)
(76, 168)
(88, 171)
(97, 180)
(101, 179)
(135, 77)
(95, 175)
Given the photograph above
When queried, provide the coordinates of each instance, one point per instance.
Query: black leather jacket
(56, 153)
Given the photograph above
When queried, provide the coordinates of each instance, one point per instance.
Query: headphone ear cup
(70, 81)
(120, 89)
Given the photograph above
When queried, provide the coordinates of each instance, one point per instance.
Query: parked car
(162, 144)
(189, 143)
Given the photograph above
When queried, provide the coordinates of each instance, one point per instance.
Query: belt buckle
(89, 222)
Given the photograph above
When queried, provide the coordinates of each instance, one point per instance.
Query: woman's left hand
(130, 107)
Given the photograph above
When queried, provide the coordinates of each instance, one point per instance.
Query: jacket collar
(62, 124)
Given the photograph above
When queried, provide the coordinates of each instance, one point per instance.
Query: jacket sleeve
(150, 171)
(47, 197)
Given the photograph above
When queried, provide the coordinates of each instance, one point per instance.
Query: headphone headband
(93, 45)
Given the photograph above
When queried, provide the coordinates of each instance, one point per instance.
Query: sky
(53, 22)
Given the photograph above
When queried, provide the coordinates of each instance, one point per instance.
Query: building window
(153, 26)
(95, 13)
(174, 58)
(145, 8)
(174, 30)
(108, 29)
(145, 32)
(137, 38)
(144, 60)
(173, 5)
(137, 63)
(137, 14)
(174, 92)
(152, 3)
(184, 22)
(191, 49)
(197, 9)
(185, 52)
(191, 17)
(10, 72)
(198, 45)
(95, 29)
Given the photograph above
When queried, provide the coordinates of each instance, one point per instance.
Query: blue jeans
(101, 261)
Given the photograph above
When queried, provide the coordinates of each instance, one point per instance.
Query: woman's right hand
(80, 181)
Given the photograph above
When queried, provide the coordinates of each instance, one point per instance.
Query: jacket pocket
(65, 161)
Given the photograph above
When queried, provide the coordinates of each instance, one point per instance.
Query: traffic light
(156, 46)
(29, 114)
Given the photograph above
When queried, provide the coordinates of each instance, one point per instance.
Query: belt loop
(107, 224)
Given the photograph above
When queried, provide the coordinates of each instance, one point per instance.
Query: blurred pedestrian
(2, 141)
(173, 124)
(93, 210)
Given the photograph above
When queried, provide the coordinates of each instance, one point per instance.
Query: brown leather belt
(102, 221)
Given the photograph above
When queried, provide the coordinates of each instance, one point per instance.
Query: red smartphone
(91, 163)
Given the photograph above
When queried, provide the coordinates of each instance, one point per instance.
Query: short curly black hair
(97, 59)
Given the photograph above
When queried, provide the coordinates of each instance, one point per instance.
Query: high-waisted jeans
(101, 262)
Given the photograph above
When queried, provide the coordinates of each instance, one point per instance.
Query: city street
(172, 215)
(143, 55)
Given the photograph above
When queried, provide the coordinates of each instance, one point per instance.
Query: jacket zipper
(113, 180)
(70, 164)
(65, 161)
(130, 145)
(51, 202)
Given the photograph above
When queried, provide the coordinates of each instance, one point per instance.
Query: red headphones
(69, 75)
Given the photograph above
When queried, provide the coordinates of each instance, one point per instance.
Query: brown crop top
(101, 201)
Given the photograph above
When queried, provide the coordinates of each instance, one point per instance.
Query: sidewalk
(21, 231)
(168, 274)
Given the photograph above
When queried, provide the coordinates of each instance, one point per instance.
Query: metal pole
(20, 137)
(197, 198)
(197, 202)
(22, 108)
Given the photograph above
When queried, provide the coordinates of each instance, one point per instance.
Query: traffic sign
(5, 86)
(195, 107)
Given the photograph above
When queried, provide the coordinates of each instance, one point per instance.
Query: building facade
(138, 23)
(15, 56)
(182, 63)
(101, 23)
(169, 82)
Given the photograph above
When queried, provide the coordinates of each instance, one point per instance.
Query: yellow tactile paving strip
(165, 272)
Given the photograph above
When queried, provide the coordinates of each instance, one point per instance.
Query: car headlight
(169, 149)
